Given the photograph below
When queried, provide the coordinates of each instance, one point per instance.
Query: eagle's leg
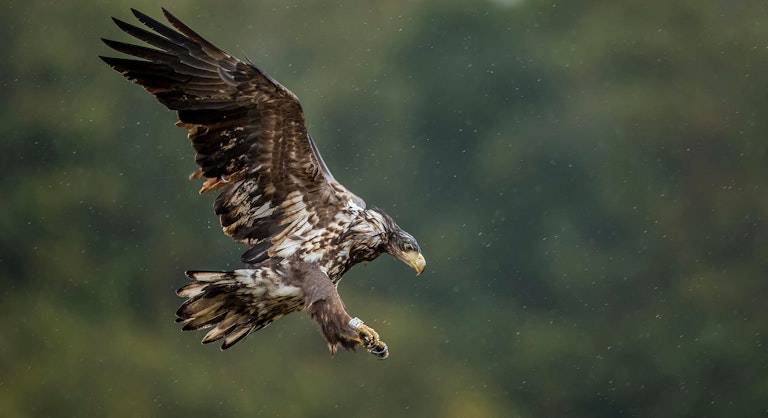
(324, 305)
(342, 330)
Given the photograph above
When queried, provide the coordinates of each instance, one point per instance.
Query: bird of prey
(303, 229)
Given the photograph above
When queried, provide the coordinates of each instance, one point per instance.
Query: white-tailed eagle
(303, 229)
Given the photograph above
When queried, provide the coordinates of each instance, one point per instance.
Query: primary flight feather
(304, 230)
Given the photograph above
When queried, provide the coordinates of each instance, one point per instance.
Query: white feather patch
(313, 257)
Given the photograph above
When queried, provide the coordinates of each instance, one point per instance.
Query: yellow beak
(414, 259)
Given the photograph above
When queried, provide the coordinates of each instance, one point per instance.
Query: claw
(381, 351)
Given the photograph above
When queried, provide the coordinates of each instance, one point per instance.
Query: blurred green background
(588, 182)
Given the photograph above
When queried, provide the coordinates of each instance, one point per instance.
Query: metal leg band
(355, 322)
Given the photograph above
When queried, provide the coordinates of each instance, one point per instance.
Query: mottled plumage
(304, 230)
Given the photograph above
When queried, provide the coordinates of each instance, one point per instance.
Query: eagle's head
(401, 244)
(404, 247)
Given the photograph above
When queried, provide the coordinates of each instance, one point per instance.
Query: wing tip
(168, 15)
(139, 15)
(111, 43)
(112, 62)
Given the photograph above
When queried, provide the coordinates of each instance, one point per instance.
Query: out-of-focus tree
(586, 181)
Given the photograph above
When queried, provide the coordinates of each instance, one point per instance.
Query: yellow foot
(369, 339)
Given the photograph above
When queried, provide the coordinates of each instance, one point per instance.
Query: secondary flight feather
(303, 229)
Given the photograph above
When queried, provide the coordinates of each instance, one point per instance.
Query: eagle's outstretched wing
(248, 131)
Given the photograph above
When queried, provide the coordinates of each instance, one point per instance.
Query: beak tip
(420, 265)
(415, 260)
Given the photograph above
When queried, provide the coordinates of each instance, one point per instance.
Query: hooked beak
(413, 259)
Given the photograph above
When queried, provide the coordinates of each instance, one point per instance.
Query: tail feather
(236, 303)
(203, 320)
(191, 289)
(237, 334)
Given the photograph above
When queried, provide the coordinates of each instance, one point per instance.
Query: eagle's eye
(408, 247)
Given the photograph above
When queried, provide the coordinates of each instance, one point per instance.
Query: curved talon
(382, 352)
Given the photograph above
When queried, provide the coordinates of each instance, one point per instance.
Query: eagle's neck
(363, 241)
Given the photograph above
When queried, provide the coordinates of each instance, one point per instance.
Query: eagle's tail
(235, 302)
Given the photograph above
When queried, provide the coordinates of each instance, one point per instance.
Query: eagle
(303, 229)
